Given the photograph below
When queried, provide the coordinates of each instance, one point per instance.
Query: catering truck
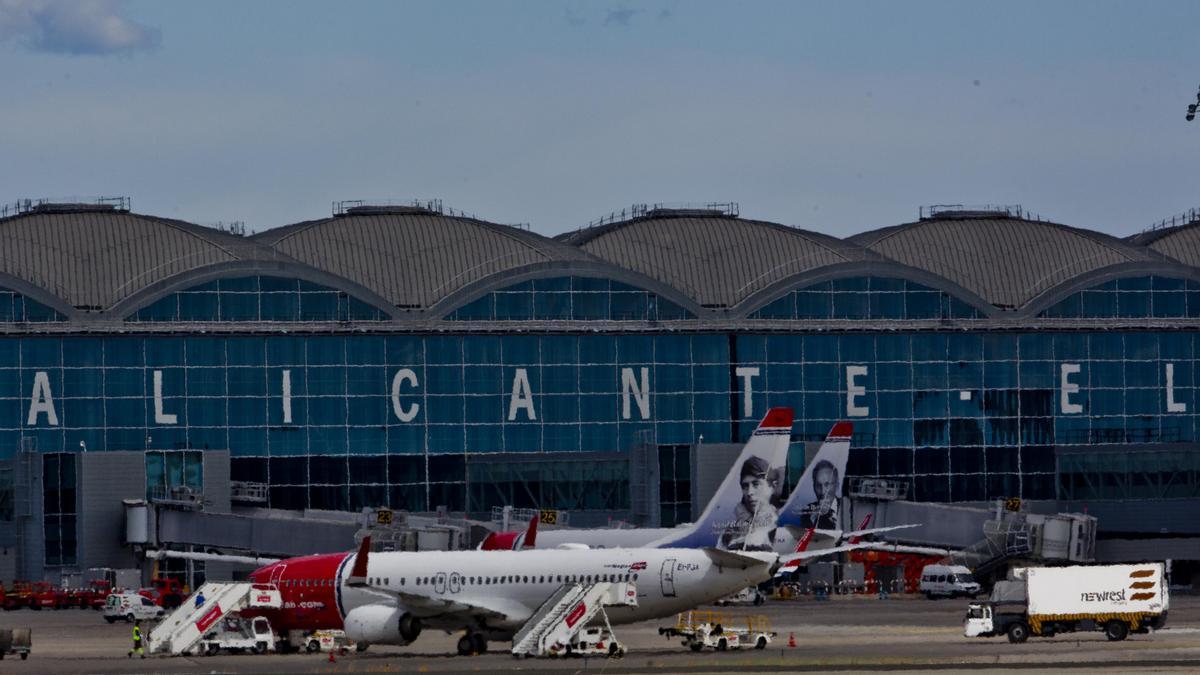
(1045, 601)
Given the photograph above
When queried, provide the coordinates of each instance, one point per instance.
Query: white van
(948, 580)
(130, 607)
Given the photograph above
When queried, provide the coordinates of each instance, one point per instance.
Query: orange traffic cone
(331, 659)
(791, 640)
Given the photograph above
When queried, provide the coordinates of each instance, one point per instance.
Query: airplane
(761, 464)
(391, 597)
(511, 540)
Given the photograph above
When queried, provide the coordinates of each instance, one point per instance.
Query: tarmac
(844, 634)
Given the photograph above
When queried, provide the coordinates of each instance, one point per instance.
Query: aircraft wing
(799, 557)
(426, 606)
(739, 559)
(877, 530)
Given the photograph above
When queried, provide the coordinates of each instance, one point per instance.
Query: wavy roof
(1006, 261)
(716, 260)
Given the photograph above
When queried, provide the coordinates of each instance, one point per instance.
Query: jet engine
(382, 625)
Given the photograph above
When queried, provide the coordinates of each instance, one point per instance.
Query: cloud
(622, 16)
(76, 27)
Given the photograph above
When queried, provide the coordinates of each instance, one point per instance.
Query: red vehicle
(18, 596)
(45, 595)
(94, 596)
(165, 592)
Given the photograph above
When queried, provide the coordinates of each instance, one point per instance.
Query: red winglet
(802, 545)
(777, 417)
(841, 430)
(358, 573)
(531, 533)
(862, 526)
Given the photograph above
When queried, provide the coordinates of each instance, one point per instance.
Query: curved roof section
(717, 260)
(91, 258)
(1181, 242)
(1006, 261)
(413, 257)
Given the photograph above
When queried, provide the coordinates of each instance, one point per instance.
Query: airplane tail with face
(815, 503)
(743, 509)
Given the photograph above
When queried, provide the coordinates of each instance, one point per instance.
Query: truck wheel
(129, 617)
(758, 600)
(260, 648)
(312, 647)
(697, 646)
(110, 619)
(212, 649)
(361, 647)
(929, 595)
(1116, 629)
(761, 642)
(722, 645)
(1018, 632)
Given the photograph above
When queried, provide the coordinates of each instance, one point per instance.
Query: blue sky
(835, 117)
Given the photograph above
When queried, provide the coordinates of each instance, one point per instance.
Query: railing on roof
(64, 204)
(350, 207)
(1186, 218)
(994, 210)
(234, 227)
(695, 209)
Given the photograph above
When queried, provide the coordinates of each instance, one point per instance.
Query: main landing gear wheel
(479, 643)
(465, 646)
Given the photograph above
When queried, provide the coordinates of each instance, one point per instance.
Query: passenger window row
(541, 579)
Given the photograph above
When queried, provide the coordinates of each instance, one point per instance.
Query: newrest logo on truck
(1119, 596)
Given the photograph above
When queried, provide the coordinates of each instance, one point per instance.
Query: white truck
(1045, 601)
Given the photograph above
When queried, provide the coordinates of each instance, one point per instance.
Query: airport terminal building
(411, 357)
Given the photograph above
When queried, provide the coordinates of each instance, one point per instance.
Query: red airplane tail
(358, 573)
(862, 526)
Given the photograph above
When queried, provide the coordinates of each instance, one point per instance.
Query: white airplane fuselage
(495, 592)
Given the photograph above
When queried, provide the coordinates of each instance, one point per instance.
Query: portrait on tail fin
(755, 516)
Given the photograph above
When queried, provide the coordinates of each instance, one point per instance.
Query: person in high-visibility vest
(137, 640)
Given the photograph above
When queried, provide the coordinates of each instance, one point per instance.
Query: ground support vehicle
(720, 631)
(16, 641)
(165, 592)
(1045, 601)
(327, 641)
(236, 634)
(131, 607)
(591, 641)
(949, 581)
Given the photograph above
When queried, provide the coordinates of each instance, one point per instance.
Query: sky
(836, 117)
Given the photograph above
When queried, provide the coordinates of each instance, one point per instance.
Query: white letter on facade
(286, 389)
(747, 373)
(1067, 388)
(854, 390)
(161, 417)
(522, 397)
(640, 392)
(1172, 404)
(41, 401)
(404, 375)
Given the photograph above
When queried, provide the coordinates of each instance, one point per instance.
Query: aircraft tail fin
(531, 533)
(749, 493)
(861, 526)
(815, 502)
(358, 573)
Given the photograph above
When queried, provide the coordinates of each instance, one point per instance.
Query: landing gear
(472, 644)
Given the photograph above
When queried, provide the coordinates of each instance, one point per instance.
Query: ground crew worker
(137, 640)
(199, 599)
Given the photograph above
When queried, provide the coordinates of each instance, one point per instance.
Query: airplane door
(668, 578)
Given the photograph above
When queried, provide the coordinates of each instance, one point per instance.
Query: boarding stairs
(183, 628)
(1003, 540)
(566, 612)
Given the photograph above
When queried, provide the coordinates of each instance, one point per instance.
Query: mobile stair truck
(1045, 601)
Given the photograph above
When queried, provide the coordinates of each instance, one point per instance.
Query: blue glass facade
(16, 308)
(570, 298)
(864, 298)
(258, 298)
(344, 421)
(1132, 298)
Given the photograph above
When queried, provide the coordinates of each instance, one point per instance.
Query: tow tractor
(328, 641)
(237, 635)
(719, 631)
